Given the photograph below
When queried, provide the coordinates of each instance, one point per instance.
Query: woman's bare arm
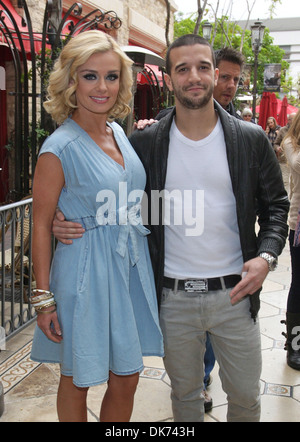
(48, 183)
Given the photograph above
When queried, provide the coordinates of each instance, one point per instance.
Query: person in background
(247, 114)
(272, 130)
(291, 149)
(230, 63)
(282, 133)
(96, 309)
(279, 151)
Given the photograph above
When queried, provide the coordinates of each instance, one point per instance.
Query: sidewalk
(30, 388)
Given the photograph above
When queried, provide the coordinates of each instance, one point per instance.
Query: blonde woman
(96, 308)
(272, 130)
(291, 148)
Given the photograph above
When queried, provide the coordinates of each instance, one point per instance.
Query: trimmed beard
(194, 103)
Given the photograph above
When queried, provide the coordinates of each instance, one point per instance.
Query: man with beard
(208, 278)
(199, 284)
(230, 64)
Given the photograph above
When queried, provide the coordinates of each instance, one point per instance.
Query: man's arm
(277, 144)
(272, 212)
(141, 124)
(255, 272)
(272, 204)
(65, 231)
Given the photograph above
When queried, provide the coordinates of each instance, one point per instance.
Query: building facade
(143, 22)
(25, 25)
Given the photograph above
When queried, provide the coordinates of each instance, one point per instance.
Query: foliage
(184, 26)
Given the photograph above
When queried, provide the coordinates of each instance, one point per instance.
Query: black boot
(292, 335)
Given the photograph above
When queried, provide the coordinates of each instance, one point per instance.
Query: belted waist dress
(103, 283)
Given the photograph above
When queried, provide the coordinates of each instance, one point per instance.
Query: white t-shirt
(201, 230)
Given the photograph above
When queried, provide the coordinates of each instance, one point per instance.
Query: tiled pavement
(30, 388)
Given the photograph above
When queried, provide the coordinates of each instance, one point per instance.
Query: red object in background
(141, 79)
(291, 109)
(282, 117)
(23, 29)
(264, 109)
(273, 106)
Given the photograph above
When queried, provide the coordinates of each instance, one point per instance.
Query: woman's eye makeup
(112, 77)
(92, 76)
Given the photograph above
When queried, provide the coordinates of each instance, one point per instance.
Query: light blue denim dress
(103, 283)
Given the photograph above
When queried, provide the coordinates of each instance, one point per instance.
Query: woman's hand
(48, 323)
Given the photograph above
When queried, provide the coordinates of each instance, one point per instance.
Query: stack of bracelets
(41, 299)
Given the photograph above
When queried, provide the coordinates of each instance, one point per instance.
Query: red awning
(13, 20)
(141, 79)
(22, 27)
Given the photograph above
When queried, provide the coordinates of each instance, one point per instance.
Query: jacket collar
(224, 116)
(229, 124)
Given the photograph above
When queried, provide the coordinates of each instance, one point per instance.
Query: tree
(250, 8)
(168, 6)
(200, 15)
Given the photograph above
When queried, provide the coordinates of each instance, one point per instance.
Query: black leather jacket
(256, 182)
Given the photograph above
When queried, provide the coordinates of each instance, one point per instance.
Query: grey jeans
(185, 318)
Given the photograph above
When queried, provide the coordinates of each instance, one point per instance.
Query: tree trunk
(200, 15)
(168, 22)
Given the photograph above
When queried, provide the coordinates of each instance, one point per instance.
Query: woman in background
(272, 130)
(291, 148)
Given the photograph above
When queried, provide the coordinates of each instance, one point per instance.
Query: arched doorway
(150, 92)
(4, 173)
(149, 97)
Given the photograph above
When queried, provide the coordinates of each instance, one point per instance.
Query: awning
(12, 16)
(141, 79)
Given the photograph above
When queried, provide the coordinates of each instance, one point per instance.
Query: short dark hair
(187, 40)
(231, 55)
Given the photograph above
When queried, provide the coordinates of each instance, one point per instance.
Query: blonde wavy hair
(61, 99)
(293, 134)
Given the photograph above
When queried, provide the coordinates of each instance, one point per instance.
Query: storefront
(26, 59)
(149, 84)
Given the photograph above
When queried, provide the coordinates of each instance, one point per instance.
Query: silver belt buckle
(196, 285)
